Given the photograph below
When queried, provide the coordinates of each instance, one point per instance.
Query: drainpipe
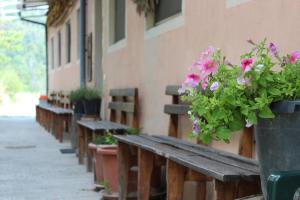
(46, 46)
(82, 42)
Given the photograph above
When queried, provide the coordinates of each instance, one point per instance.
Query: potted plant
(107, 164)
(92, 102)
(100, 142)
(262, 90)
(76, 98)
(107, 193)
(86, 101)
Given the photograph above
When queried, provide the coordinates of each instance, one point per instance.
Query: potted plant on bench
(100, 142)
(262, 91)
(76, 98)
(106, 165)
(92, 101)
(86, 101)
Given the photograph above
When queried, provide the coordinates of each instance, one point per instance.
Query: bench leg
(247, 188)
(124, 166)
(80, 143)
(60, 128)
(145, 168)
(201, 191)
(175, 180)
(88, 139)
(225, 191)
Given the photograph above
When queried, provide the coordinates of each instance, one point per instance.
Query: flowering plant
(226, 98)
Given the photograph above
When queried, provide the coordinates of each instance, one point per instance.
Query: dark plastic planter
(78, 107)
(278, 141)
(92, 107)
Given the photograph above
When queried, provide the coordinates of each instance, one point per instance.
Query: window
(52, 53)
(68, 41)
(59, 47)
(78, 33)
(164, 10)
(117, 20)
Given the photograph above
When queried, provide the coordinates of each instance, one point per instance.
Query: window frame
(112, 23)
(68, 41)
(52, 53)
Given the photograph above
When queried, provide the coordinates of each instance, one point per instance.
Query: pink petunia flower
(208, 67)
(247, 64)
(273, 49)
(204, 83)
(248, 124)
(214, 86)
(182, 89)
(295, 55)
(192, 80)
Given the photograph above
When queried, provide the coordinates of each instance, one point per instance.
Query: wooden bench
(53, 118)
(233, 175)
(123, 111)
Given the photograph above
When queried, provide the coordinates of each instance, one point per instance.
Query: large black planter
(278, 141)
(78, 107)
(92, 107)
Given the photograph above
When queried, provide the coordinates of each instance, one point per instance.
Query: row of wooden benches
(233, 175)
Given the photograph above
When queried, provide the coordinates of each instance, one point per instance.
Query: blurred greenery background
(22, 58)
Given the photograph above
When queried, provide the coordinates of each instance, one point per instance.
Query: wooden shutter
(89, 69)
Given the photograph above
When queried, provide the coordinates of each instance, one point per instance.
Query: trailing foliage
(84, 94)
(145, 6)
(107, 139)
(226, 98)
(133, 131)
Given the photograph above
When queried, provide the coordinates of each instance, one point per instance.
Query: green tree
(22, 57)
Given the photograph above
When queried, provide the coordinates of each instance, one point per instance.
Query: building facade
(126, 49)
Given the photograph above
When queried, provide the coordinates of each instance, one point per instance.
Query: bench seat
(218, 164)
(101, 125)
(53, 118)
(54, 109)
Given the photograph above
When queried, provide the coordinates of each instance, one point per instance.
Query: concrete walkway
(32, 167)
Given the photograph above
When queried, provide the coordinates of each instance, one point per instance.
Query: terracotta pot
(106, 196)
(98, 164)
(110, 167)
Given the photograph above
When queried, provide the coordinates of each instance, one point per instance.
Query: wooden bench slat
(210, 167)
(172, 90)
(54, 109)
(222, 156)
(102, 125)
(178, 109)
(126, 92)
(122, 106)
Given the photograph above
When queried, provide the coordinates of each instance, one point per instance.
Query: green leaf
(266, 112)
(252, 118)
(274, 91)
(223, 133)
(238, 122)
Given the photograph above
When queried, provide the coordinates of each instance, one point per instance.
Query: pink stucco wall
(152, 63)
(67, 76)
(151, 60)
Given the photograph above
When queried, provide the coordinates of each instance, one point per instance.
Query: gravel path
(32, 167)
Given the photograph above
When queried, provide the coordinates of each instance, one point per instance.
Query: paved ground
(32, 167)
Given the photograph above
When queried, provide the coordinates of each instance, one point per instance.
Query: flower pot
(278, 141)
(98, 161)
(92, 107)
(78, 107)
(110, 167)
(106, 196)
